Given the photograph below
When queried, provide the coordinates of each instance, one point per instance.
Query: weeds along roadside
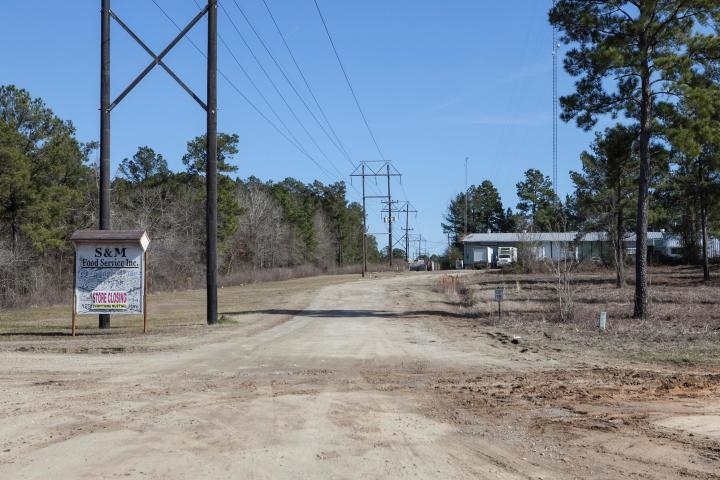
(684, 328)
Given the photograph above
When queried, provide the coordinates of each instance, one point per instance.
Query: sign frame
(110, 273)
(499, 294)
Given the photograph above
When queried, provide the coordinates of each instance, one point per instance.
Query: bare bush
(447, 284)
(28, 278)
(529, 255)
(262, 238)
(454, 285)
(327, 244)
(565, 270)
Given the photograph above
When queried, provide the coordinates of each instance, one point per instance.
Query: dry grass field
(172, 317)
(684, 327)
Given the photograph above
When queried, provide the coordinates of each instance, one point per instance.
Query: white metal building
(550, 245)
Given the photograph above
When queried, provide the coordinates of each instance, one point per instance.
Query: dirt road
(373, 378)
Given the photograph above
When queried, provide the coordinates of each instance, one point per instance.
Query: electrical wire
(375, 186)
(295, 142)
(307, 85)
(288, 136)
(347, 79)
(289, 82)
(277, 90)
(338, 144)
(249, 102)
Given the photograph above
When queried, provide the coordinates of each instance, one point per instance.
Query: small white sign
(498, 294)
(109, 278)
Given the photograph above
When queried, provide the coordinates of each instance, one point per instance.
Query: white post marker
(602, 319)
(109, 273)
(499, 298)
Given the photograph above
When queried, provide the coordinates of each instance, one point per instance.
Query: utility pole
(407, 230)
(104, 318)
(366, 170)
(390, 209)
(406, 210)
(364, 235)
(210, 106)
(407, 243)
(211, 215)
(390, 218)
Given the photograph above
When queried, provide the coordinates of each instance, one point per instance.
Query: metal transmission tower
(465, 195)
(375, 168)
(555, 109)
(210, 107)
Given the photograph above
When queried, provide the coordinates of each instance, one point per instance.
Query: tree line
(49, 189)
(656, 64)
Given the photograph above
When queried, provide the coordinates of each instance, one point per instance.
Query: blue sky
(438, 81)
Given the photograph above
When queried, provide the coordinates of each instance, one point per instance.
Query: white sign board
(109, 278)
(498, 294)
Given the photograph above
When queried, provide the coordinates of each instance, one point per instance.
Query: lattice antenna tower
(555, 47)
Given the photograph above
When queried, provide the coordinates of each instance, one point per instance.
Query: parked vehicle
(419, 266)
(506, 256)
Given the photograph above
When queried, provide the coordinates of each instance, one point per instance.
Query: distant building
(552, 245)
(673, 247)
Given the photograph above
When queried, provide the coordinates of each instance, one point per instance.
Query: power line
(277, 90)
(406, 209)
(307, 84)
(289, 82)
(366, 170)
(347, 79)
(287, 136)
(296, 143)
(292, 86)
(244, 97)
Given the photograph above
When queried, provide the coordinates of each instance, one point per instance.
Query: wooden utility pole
(365, 169)
(210, 106)
(390, 209)
(104, 187)
(407, 230)
(211, 215)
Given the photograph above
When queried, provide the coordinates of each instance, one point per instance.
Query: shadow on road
(352, 313)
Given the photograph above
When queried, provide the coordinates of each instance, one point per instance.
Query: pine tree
(628, 55)
(43, 176)
(538, 202)
(605, 189)
(482, 210)
(693, 128)
(196, 160)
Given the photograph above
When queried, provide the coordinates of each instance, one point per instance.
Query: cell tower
(555, 46)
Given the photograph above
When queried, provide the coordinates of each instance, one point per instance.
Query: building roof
(523, 237)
